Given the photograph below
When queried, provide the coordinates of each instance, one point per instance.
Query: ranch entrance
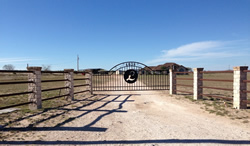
(130, 76)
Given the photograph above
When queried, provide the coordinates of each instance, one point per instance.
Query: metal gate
(130, 76)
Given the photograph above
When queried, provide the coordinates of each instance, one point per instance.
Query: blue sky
(214, 34)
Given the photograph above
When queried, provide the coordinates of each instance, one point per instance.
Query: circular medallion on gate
(130, 76)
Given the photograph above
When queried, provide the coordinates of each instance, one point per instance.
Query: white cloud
(198, 51)
(17, 60)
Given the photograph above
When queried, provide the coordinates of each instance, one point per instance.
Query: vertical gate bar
(102, 85)
(159, 81)
(162, 81)
(160, 87)
(129, 84)
(116, 78)
(146, 78)
(153, 80)
(116, 74)
(124, 87)
(165, 84)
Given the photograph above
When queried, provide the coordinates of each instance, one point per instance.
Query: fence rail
(82, 85)
(239, 83)
(45, 81)
(226, 71)
(184, 85)
(34, 85)
(15, 105)
(216, 88)
(183, 78)
(81, 79)
(217, 80)
(52, 89)
(50, 98)
(14, 94)
(18, 82)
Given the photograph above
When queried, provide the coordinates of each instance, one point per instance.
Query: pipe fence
(35, 86)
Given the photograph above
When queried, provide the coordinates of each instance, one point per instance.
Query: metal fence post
(239, 87)
(35, 87)
(69, 76)
(197, 83)
(172, 77)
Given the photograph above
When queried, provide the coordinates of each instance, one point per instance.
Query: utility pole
(77, 62)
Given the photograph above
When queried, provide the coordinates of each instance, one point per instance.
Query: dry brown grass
(219, 107)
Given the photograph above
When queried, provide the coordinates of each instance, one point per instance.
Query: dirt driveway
(136, 118)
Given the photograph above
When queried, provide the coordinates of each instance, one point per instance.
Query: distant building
(93, 70)
(167, 66)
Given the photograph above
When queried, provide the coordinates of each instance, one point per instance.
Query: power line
(77, 62)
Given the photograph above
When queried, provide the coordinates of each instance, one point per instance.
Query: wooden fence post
(69, 76)
(197, 83)
(35, 87)
(239, 87)
(172, 77)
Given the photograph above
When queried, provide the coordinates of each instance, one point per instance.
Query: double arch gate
(130, 76)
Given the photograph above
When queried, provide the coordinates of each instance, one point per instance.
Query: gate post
(69, 77)
(35, 87)
(197, 83)
(172, 77)
(89, 81)
(239, 87)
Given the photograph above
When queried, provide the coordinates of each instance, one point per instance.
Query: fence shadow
(112, 142)
(87, 127)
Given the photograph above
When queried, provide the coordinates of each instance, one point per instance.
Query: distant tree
(8, 67)
(46, 67)
(163, 68)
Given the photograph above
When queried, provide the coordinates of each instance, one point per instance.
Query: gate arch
(130, 64)
(130, 76)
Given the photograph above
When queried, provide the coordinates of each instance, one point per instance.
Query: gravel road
(135, 118)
